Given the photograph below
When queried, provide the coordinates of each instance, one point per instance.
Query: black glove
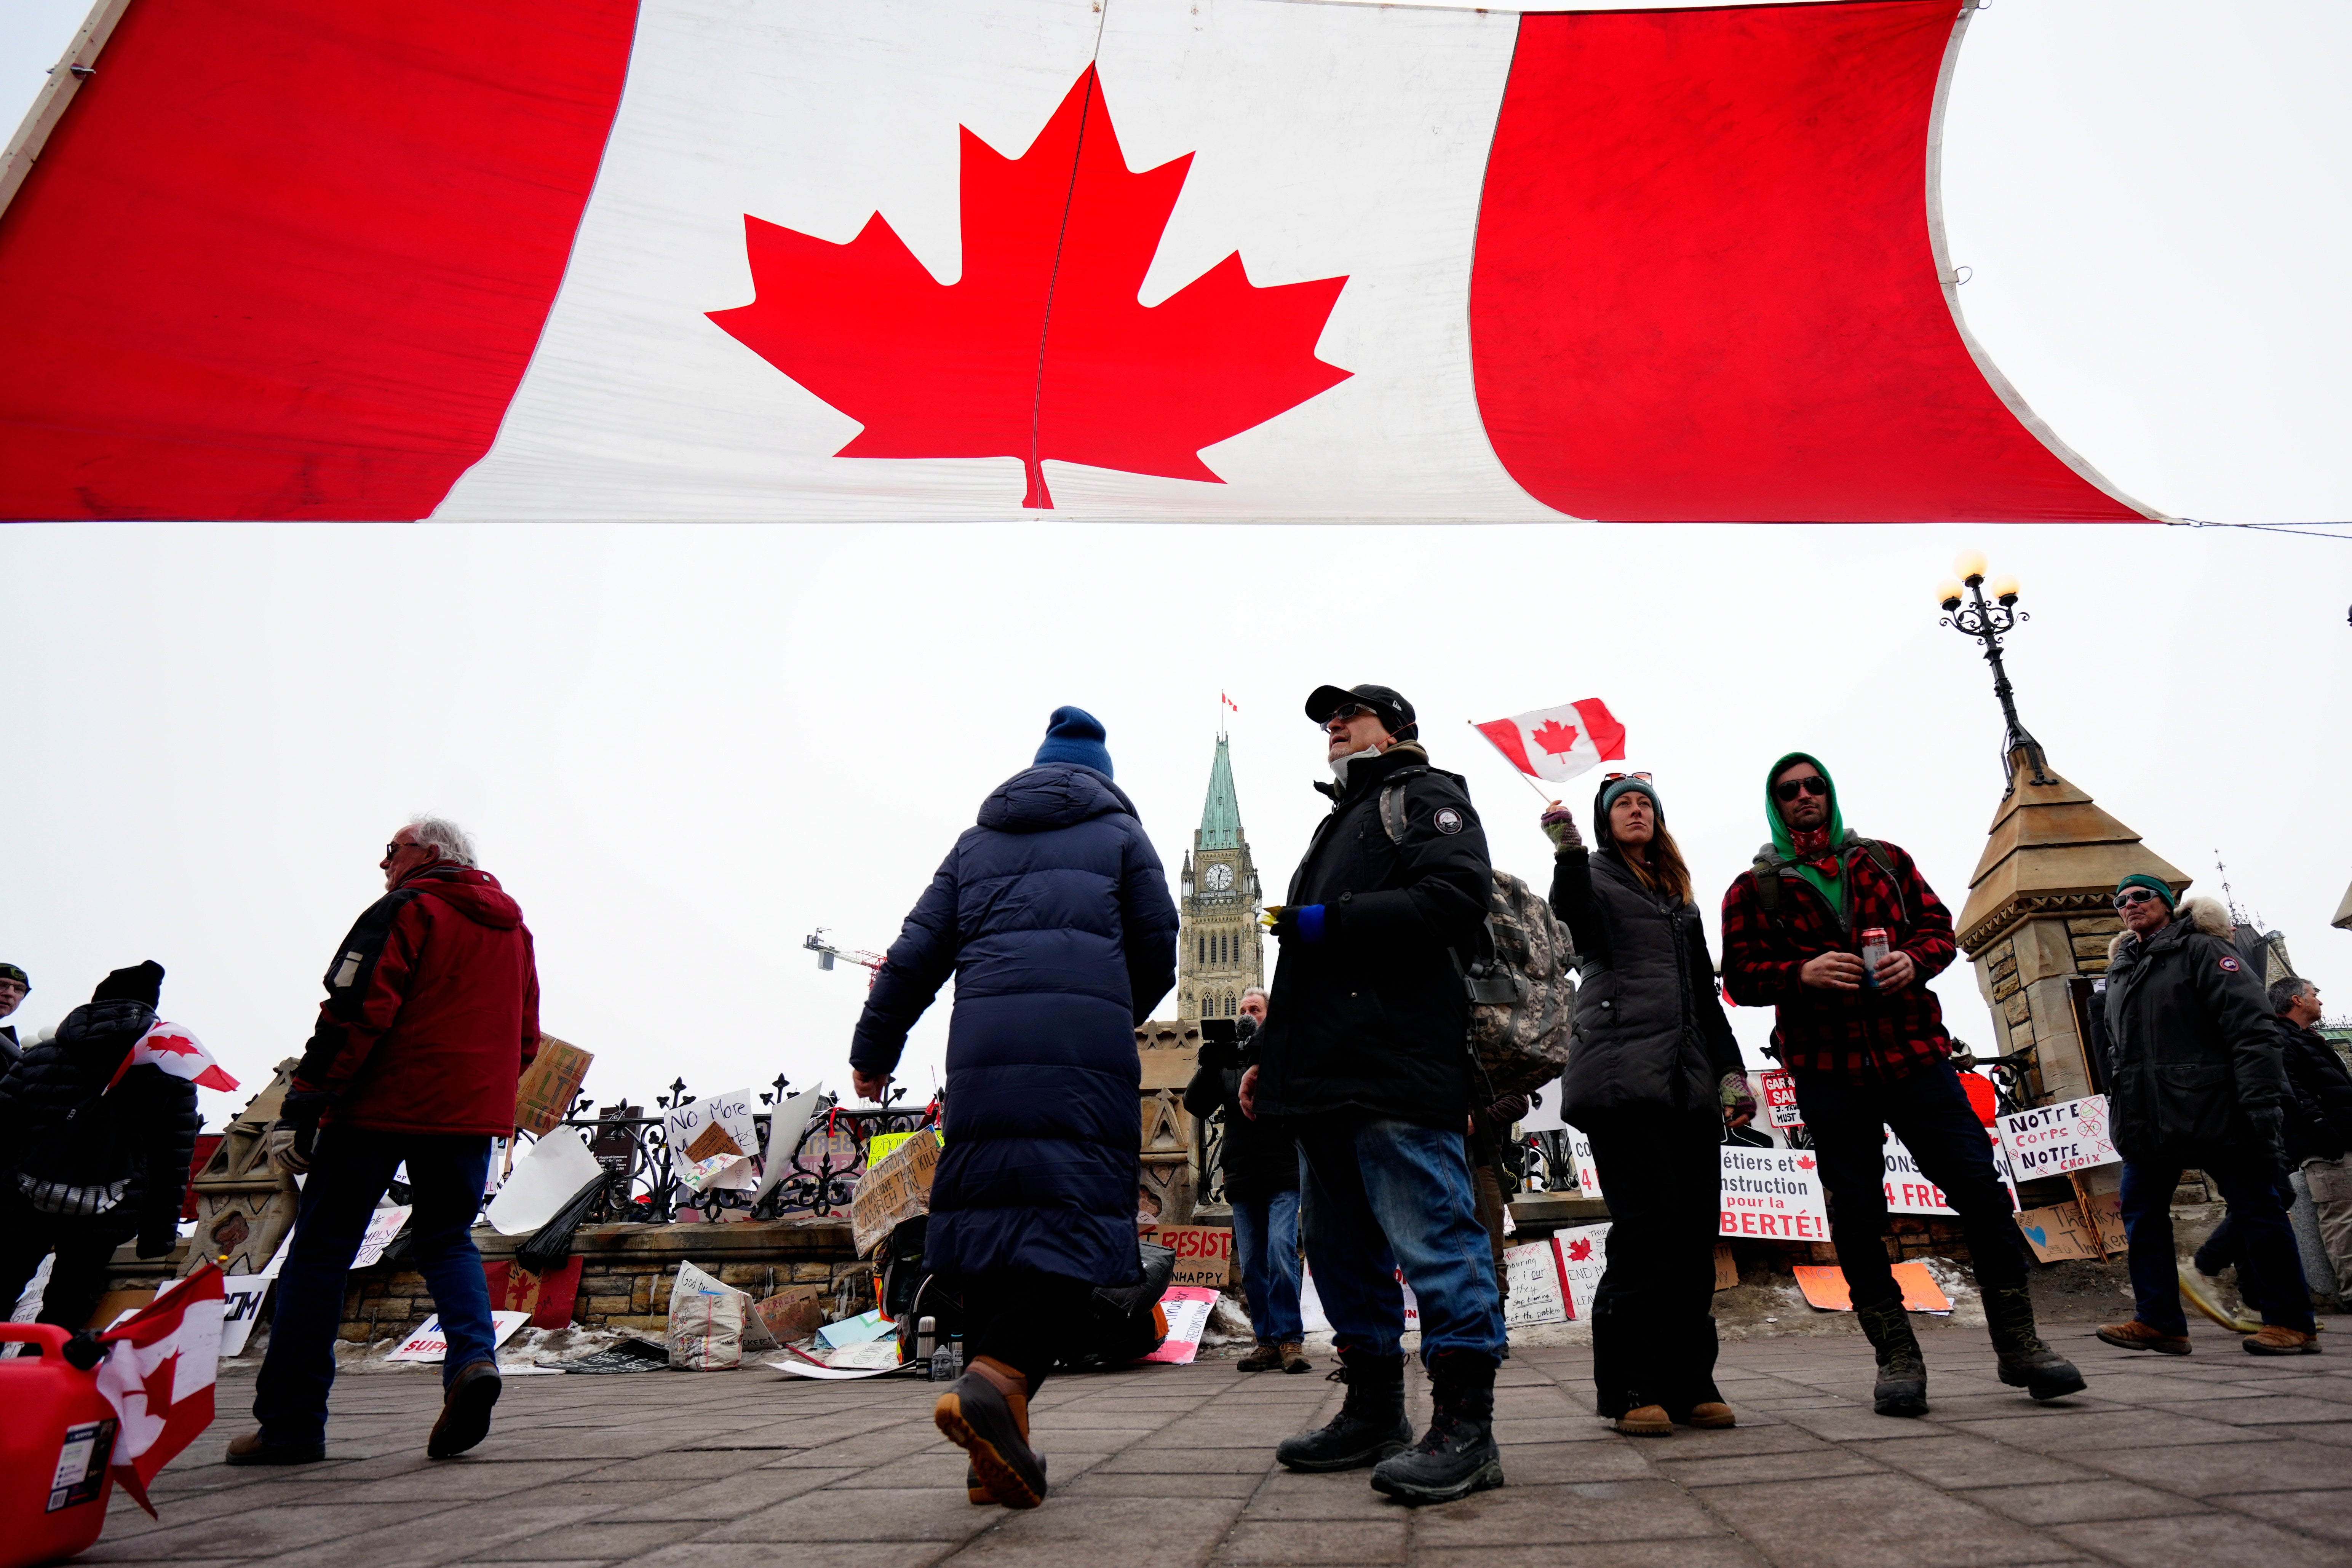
(2270, 1133)
(299, 1116)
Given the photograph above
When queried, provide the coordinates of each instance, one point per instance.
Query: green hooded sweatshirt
(1784, 845)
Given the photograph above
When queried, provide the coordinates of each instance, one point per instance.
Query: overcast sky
(683, 749)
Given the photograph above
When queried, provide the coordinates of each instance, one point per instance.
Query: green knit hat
(2154, 885)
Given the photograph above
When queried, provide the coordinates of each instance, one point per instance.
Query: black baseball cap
(1386, 701)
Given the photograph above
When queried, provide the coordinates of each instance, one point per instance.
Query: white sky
(682, 748)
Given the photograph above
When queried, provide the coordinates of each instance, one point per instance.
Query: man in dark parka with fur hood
(2195, 1083)
(1054, 916)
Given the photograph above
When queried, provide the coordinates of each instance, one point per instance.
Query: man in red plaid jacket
(1867, 1050)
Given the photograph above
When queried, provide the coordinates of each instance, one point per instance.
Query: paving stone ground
(2212, 1459)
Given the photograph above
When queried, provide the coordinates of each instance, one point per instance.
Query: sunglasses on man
(1789, 789)
(2132, 896)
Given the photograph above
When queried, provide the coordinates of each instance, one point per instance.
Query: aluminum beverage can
(1877, 941)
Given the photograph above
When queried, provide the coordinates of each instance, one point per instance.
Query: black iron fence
(645, 1181)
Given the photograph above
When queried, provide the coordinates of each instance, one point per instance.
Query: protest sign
(544, 1180)
(544, 1097)
(1825, 1288)
(1726, 1272)
(241, 1297)
(2062, 1231)
(1910, 1192)
(1204, 1253)
(1777, 1090)
(548, 1298)
(897, 1187)
(1538, 1285)
(1187, 1309)
(1312, 1317)
(383, 1225)
(1579, 1154)
(430, 1344)
(1771, 1194)
(1583, 1258)
(2052, 1140)
(711, 1142)
(793, 1313)
(785, 1125)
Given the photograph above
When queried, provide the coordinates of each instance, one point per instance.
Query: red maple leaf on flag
(175, 1044)
(1578, 1250)
(1041, 349)
(1556, 737)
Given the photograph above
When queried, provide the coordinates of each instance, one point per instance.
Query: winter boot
(2025, 1361)
(1901, 1387)
(980, 1496)
(1457, 1454)
(1266, 1357)
(986, 1414)
(1371, 1425)
(1294, 1356)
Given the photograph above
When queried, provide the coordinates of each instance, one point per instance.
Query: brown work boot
(254, 1449)
(464, 1410)
(2276, 1339)
(980, 1496)
(1266, 1357)
(1712, 1413)
(2137, 1335)
(1294, 1357)
(986, 1414)
(1647, 1421)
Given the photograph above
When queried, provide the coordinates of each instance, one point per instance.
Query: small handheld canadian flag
(158, 1374)
(1558, 743)
(177, 1052)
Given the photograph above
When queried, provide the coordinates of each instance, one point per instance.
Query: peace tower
(1221, 947)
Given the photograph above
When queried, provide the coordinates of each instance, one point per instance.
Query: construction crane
(826, 953)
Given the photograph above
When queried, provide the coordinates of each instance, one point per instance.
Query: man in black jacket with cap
(88, 1163)
(1366, 1048)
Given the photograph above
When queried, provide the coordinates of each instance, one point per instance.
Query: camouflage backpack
(1522, 1002)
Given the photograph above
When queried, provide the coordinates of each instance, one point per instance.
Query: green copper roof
(1221, 817)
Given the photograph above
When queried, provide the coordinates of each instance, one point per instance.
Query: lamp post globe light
(1968, 611)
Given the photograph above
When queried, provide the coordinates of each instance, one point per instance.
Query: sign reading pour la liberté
(2052, 1140)
(1775, 1194)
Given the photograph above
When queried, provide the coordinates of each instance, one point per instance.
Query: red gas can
(54, 1445)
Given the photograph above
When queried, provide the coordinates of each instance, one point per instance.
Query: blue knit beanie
(1075, 736)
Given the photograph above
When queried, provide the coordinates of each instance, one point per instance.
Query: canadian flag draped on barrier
(177, 1052)
(158, 1375)
(1558, 743)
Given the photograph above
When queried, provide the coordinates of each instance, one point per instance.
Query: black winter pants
(1653, 1317)
(1025, 1319)
(85, 1246)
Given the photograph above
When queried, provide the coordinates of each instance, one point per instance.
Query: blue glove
(1302, 920)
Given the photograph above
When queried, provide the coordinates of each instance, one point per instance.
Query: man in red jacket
(432, 1012)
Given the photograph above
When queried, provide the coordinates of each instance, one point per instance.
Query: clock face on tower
(1220, 878)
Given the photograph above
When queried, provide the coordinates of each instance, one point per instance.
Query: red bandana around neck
(1813, 849)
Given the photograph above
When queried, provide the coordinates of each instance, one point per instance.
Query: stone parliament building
(1219, 954)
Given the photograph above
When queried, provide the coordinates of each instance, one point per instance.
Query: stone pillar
(1168, 1051)
(2038, 920)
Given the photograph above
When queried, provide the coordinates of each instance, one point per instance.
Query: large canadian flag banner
(902, 259)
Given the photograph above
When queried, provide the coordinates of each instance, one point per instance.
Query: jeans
(2270, 1273)
(1653, 1316)
(1265, 1236)
(1377, 1191)
(349, 1174)
(1931, 1113)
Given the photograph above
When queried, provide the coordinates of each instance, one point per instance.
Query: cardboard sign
(719, 1125)
(2052, 1140)
(1583, 1258)
(1726, 1272)
(1910, 1192)
(1187, 1309)
(1777, 1089)
(549, 1085)
(1772, 1194)
(549, 1299)
(1538, 1286)
(793, 1313)
(1825, 1288)
(430, 1344)
(2060, 1231)
(896, 1187)
(1204, 1254)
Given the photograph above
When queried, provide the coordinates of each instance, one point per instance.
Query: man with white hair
(432, 1013)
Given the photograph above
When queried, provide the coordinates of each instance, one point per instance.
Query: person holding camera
(1259, 1163)
(92, 1155)
(1654, 1076)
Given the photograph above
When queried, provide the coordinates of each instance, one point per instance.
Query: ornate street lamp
(1988, 623)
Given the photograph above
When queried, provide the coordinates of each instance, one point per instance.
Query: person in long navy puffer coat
(1053, 913)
